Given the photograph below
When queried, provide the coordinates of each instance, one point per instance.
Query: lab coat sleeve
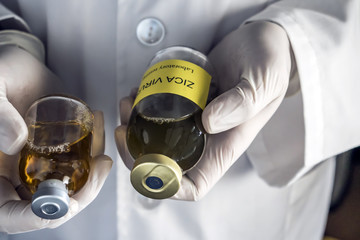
(15, 31)
(322, 120)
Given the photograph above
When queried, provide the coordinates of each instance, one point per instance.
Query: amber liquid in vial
(67, 159)
(180, 139)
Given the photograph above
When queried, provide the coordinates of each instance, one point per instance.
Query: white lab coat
(280, 189)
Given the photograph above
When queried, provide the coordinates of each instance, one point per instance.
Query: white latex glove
(253, 66)
(16, 215)
(23, 79)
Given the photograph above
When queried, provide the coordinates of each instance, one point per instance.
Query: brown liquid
(180, 139)
(66, 158)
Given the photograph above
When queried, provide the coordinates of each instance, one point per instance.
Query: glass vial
(54, 163)
(165, 134)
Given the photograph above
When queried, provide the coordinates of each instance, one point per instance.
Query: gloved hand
(15, 206)
(253, 66)
(23, 79)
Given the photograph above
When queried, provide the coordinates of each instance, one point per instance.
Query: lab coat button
(150, 31)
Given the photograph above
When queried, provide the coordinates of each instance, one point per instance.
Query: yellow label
(177, 77)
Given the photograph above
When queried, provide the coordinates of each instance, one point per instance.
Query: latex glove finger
(98, 139)
(125, 109)
(9, 165)
(13, 130)
(25, 76)
(253, 65)
(236, 106)
(120, 139)
(221, 151)
(23, 79)
(120, 132)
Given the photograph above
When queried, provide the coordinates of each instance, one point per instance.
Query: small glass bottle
(165, 134)
(54, 163)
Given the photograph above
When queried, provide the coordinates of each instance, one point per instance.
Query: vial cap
(156, 176)
(51, 200)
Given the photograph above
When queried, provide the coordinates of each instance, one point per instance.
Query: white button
(150, 31)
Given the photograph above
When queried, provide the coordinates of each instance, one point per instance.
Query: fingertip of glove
(187, 191)
(73, 207)
(209, 121)
(12, 128)
(126, 102)
(98, 115)
(103, 159)
(125, 107)
(17, 144)
(119, 131)
(101, 165)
